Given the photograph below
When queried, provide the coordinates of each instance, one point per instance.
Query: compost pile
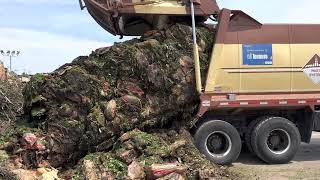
(124, 112)
(11, 101)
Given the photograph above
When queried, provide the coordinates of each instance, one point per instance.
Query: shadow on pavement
(307, 152)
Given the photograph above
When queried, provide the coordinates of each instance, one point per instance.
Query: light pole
(10, 54)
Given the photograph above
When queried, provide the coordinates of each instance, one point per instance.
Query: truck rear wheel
(248, 134)
(275, 140)
(219, 141)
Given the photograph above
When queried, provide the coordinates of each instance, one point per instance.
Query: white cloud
(60, 2)
(303, 12)
(43, 51)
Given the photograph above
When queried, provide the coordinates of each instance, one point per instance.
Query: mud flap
(316, 118)
(306, 124)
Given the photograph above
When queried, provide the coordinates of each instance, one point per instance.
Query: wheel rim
(218, 144)
(278, 141)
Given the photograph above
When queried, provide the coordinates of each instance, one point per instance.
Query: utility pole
(10, 54)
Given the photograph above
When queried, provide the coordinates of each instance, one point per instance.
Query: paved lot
(306, 165)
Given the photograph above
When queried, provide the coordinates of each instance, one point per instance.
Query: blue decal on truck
(257, 54)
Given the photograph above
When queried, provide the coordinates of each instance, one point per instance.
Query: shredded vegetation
(128, 106)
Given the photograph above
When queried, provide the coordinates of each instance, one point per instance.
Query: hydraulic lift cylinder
(196, 51)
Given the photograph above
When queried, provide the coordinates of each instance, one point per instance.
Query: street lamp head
(14, 53)
(10, 54)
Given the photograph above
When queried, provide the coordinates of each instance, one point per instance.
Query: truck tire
(275, 140)
(219, 141)
(248, 134)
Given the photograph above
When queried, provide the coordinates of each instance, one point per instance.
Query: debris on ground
(11, 100)
(124, 112)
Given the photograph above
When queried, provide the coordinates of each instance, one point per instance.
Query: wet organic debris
(140, 155)
(123, 109)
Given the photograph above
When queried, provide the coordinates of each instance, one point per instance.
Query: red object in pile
(32, 142)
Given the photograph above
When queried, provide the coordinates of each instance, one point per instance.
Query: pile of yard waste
(124, 112)
(11, 100)
(11, 106)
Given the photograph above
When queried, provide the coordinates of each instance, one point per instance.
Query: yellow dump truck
(263, 83)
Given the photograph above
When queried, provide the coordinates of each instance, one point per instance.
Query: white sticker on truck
(312, 69)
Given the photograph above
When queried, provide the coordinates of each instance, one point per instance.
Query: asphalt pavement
(306, 165)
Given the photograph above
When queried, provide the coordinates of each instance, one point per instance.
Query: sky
(50, 33)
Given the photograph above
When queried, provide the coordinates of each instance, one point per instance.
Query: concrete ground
(306, 165)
